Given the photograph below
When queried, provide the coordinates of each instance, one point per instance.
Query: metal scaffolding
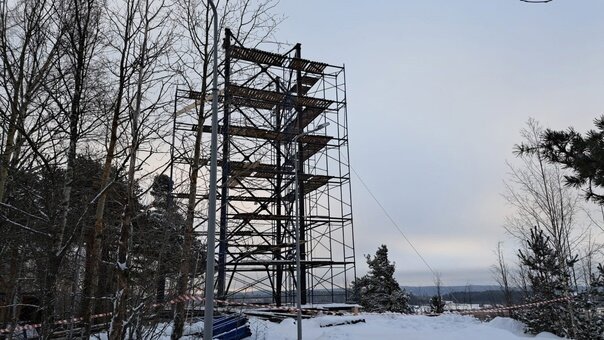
(269, 100)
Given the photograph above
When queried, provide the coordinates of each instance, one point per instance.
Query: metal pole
(224, 191)
(208, 321)
(297, 232)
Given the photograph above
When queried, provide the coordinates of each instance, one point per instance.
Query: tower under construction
(283, 145)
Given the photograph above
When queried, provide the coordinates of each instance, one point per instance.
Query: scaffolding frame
(267, 100)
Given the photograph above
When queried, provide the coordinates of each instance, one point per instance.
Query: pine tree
(165, 225)
(549, 278)
(590, 323)
(378, 291)
(437, 305)
(582, 154)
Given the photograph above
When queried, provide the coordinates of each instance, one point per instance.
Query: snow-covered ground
(379, 326)
(396, 326)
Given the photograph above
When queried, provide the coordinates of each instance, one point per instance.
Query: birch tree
(31, 33)
(151, 45)
(122, 31)
(30, 38)
(73, 101)
(537, 191)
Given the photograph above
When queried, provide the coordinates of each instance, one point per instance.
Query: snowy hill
(396, 326)
(374, 326)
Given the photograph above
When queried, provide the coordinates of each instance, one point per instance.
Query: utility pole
(208, 319)
(297, 231)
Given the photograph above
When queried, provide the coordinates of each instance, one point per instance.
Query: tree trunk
(80, 39)
(123, 265)
(57, 252)
(11, 284)
(185, 263)
(7, 153)
(95, 237)
(119, 304)
(50, 288)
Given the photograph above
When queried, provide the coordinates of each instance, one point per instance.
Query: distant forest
(487, 297)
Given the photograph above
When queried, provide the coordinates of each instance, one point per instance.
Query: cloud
(437, 94)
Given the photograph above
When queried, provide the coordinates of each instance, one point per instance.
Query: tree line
(87, 214)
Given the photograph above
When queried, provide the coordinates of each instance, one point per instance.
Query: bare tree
(122, 33)
(537, 192)
(589, 256)
(151, 45)
(30, 35)
(87, 77)
(501, 272)
(72, 100)
(30, 41)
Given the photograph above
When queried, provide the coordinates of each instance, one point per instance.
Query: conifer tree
(164, 224)
(582, 154)
(437, 305)
(548, 276)
(378, 291)
(590, 322)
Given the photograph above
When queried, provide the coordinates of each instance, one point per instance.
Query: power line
(393, 222)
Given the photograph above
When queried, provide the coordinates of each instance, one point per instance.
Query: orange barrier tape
(182, 298)
(187, 297)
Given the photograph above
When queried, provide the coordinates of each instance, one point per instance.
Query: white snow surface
(396, 326)
(376, 326)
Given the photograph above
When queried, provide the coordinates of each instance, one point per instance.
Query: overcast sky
(437, 94)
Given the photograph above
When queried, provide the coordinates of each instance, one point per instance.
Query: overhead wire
(394, 222)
